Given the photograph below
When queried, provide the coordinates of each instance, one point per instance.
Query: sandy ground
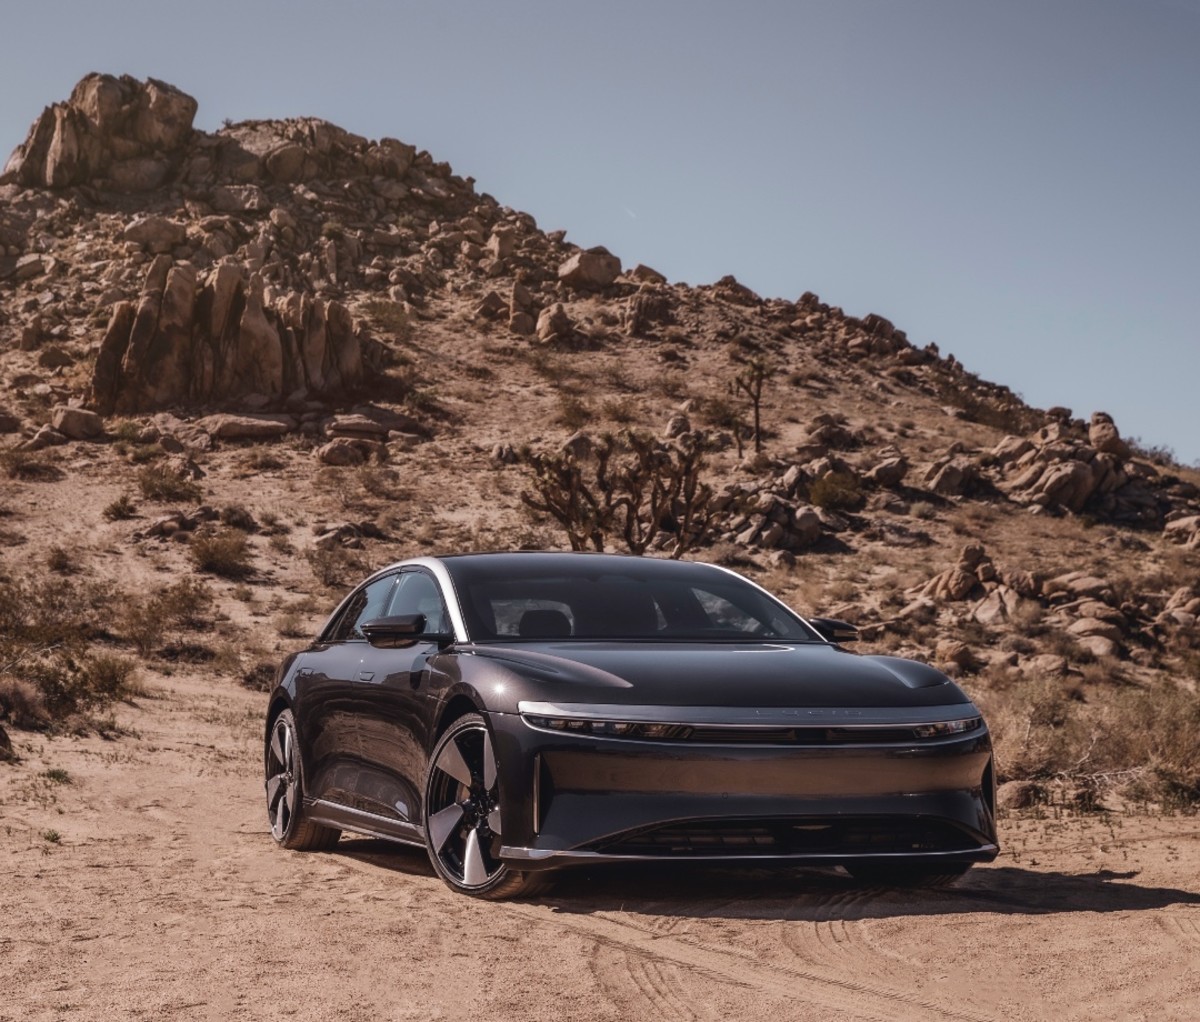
(146, 887)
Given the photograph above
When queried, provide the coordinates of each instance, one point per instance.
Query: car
(516, 713)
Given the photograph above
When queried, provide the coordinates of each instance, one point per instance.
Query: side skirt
(344, 818)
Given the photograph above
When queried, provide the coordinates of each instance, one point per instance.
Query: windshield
(662, 600)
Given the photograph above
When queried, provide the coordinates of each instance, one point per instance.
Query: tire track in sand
(1182, 927)
(830, 932)
(816, 985)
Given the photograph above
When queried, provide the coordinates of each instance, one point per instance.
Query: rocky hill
(240, 368)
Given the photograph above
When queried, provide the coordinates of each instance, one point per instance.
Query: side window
(418, 593)
(366, 605)
(724, 615)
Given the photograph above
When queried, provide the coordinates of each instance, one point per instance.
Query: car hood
(756, 674)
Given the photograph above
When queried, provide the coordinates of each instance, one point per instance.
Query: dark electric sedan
(518, 712)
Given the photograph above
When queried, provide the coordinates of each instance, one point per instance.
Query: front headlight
(947, 727)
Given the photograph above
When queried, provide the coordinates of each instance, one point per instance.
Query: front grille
(805, 836)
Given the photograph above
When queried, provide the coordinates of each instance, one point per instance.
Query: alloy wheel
(462, 807)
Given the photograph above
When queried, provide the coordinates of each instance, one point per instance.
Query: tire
(462, 816)
(906, 874)
(284, 770)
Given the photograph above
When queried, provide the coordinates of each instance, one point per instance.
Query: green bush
(837, 491)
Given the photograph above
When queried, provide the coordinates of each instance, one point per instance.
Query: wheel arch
(459, 704)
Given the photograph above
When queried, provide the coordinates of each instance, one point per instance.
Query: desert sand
(163, 896)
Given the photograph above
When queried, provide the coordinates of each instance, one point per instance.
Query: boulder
(1000, 605)
(888, 473)
(1018, 795)
(1103, 435)
(592, 270)
(225, 426)
(554, 324)
(350, 451)
(952, 477)
(953, 584)
(1091, 626)
(1100, 646)
(155, 233)
(77, 423)
(1045, 665)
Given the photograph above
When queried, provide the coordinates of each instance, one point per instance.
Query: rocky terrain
(242, 368)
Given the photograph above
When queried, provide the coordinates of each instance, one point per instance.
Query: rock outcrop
(221, 336)
(1060, 471)
(114, 132)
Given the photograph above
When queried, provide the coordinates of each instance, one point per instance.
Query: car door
(395, 697)
(330, 701)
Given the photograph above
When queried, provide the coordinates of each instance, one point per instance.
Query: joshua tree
(631, 486)
(755, 368)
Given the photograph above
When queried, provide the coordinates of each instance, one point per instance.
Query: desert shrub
(61, 560)
(335, 567)
(72, 684)
(29, 466)
(22, 703)
(260, 677)
(572, 412)
(183, 604)
(1140, 742)
(120, 509)
(158, 482)
(836, 491)
(633, 489)
(238, 517)
(225, 553)
(619, 409)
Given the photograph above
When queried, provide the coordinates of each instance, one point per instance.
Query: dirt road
(143, 884)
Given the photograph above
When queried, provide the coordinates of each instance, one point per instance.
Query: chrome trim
(751, 718)
(334, 814)
(438, 570)
(537, 855)
(537, 793)
(817, 636)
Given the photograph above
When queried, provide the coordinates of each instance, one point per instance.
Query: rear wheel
(285, 791)
(463, 815)
(906, 874)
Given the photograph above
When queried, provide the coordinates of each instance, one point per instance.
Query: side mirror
(834, 630)
(401, 631)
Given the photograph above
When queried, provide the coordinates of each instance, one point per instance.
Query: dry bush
(22, 704)
(1139, 742)
(335, 567)
(29, 466)
(226, 553)
(158, 482)
(61, 561)
(238, 517)
(121, 509)
(572, 413)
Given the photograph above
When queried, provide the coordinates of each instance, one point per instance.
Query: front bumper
(586, 799)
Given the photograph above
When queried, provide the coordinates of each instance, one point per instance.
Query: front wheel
(907, 874)
(463, 815)
(285, 791)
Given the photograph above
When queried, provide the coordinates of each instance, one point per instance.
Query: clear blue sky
(1016, 180)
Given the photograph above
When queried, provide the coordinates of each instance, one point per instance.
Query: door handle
(365, 675)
